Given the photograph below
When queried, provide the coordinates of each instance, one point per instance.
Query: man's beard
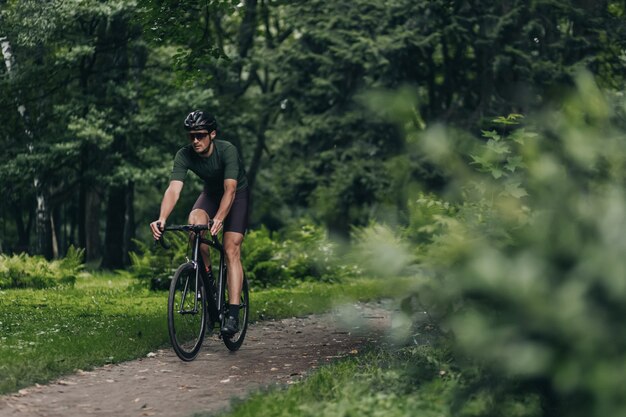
(207, 149)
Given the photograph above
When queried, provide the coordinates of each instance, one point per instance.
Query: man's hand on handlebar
(215, 225)
(157, 228)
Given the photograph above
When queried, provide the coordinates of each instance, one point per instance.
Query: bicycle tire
(186, 327)
(235, 341)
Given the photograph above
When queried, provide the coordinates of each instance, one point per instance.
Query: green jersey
(224, 163)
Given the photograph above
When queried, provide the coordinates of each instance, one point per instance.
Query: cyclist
(224, 199)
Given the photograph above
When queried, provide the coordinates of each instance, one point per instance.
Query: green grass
(313, 297)
(378, 383)
(386, 382)
(47, 333)
(106, 319)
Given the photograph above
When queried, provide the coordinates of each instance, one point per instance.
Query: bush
(302, 252)
(24, 271)
(380, 251)
(528, 271)
(264, 259)
(154, 266)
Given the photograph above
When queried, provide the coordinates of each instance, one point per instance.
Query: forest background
(92, 94)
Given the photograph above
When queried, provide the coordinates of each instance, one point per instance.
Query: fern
(24, 271)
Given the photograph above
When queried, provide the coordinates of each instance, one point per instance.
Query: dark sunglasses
(198, 136)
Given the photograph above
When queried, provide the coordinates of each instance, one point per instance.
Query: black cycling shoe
(231, 326)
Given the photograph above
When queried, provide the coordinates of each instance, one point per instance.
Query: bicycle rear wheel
(234, 342)
(186, 312)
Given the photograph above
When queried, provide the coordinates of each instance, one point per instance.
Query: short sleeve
(179, 171)
(231, 163)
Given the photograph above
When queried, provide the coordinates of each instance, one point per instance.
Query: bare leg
(232, 247)
(199, 216)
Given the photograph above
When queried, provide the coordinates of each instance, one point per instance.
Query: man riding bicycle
(224, 199)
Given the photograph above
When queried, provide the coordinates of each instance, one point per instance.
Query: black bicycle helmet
(199, 120)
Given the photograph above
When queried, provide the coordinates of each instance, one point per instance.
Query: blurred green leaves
(381, 252)
(522, 255)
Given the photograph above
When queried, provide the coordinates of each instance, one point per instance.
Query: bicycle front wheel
(234, 342)
(186, 312)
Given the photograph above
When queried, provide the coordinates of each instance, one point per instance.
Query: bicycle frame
(185, 341)
(216, 307)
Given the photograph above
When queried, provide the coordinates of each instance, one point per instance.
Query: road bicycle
(197, 303)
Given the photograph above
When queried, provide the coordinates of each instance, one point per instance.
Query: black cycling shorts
(237, 219)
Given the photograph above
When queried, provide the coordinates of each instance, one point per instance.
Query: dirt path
(275, 352)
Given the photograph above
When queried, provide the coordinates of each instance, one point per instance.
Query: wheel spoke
(186, 316)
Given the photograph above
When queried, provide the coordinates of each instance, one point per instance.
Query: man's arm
(230, 188)
(170, 197)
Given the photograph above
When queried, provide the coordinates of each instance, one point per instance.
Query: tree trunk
(88, 214)
(113, 256)
(23, 231)
(91, 226)
(89, 223)
(432, 87)
(42, 224)
(247, 28)
(55, 236)
(260, 146)
(129, 223)
(72, 217)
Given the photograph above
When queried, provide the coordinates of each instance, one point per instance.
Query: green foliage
(302, 253)
(460, 61)
(154, 266)
(427, 217)
(262, 261)
(106, 83)
(527, 271)
(326, 64)
(100, 107)
(380, 251)
(24, 271)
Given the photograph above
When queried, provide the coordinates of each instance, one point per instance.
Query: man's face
(201, 140)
